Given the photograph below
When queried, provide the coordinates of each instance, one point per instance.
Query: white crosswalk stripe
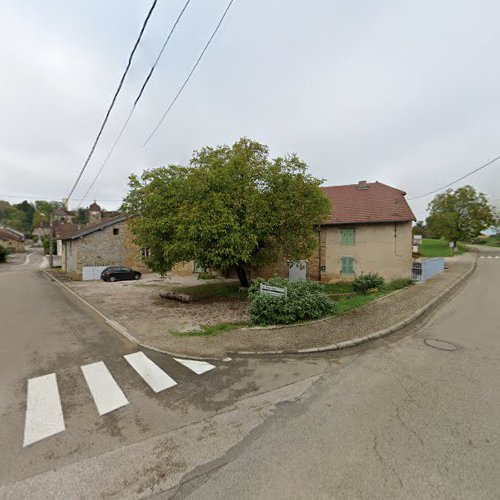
(195, 366)
(44, 416)
(106, 392)
(44, 412)
(152, 374)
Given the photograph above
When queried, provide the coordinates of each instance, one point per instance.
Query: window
(145, 252)
(347, 237)
(116, 230)
(347, 265)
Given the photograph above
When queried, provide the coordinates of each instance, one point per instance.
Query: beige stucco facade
(383, 248)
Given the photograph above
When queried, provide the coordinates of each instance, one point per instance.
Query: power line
(457, 180)
(190, 73)
(137, 99)
(46, 198)
(92, 149)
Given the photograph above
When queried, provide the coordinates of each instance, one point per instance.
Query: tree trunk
(242, 276)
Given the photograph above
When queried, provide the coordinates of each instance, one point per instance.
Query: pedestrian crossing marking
(44, 416)
(195, 366)
(152, 374)
(106, 392)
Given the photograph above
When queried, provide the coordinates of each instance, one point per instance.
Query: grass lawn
(346, 299)
(439, 248)
(215, 289)
(342, 293)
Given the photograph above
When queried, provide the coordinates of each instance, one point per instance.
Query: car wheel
(112, 278)
(137, 276)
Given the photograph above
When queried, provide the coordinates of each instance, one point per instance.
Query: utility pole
(51, 239)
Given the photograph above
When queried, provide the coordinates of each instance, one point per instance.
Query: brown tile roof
(367, 202)
(64, 230)
(91, 228)
(6, 234)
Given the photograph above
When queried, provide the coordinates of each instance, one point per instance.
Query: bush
(305, 300)
(3, 254)
(367, 282)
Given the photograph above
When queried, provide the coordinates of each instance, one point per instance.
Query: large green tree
(460, 215)
(232, 208)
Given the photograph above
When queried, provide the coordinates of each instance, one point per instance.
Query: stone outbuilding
(11, 239)
(106, 243)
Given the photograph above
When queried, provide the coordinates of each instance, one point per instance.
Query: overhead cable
(137, 99)
(200, 57)
(457, 180)
(108, 112)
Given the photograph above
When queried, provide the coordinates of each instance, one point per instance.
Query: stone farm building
(11, 239)
(105, 243)
(368, 231)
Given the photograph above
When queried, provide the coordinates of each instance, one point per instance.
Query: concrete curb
(381, 333)
(122, 330)
(333, 347)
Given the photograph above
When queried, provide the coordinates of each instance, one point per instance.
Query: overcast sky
(403, 92)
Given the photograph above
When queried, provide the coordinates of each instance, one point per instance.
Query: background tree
(82, 216)
(43, 209)
(421, 229)
(460, 215)
(12, 216)
(232, 208)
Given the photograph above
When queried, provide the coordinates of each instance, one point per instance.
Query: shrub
(204, 275)
(367, 282)
(305, 300)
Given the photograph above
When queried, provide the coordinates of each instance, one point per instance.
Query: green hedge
(305, 300)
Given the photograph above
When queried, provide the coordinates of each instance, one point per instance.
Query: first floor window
(347, 265)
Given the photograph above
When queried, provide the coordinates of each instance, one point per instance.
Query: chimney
(362, 185)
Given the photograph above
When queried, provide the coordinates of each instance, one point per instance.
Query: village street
(392, 418)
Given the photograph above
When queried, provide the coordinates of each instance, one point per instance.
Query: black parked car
(115, 273)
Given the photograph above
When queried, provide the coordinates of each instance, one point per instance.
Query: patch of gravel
(149, 318)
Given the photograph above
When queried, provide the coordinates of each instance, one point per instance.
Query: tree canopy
(460, 215)
(232, 207)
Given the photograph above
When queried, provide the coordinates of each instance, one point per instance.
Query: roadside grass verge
(347, 300)
(440, 248)
(208, 330)
(213, 290)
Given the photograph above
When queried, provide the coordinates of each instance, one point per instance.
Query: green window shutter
(347, 265)
(347, 237)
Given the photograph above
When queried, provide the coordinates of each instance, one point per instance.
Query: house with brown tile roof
(105, 243)
(11, 239)
(368, 231)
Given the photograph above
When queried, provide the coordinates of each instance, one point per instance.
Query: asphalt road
(403, 420)
(396, 418)
(44, 330)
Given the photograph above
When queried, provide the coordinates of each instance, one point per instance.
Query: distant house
(11, 239)
(369, 231)
(42, 231)
(105, 243)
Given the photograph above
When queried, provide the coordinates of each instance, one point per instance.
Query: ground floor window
(145, 252)
(347, 265)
